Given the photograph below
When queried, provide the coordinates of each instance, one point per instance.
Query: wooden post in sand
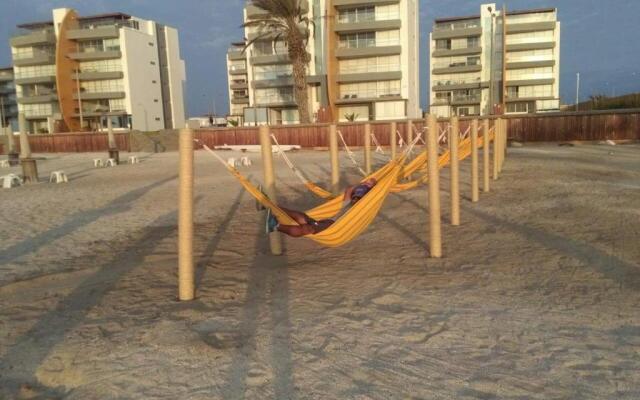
(28, 163)
(186, 279)
(435, 234)
(275, 240)
(367, 148)
(505, 136)
(496, 147)
(393, 140)
(500, 144)
(475, 192)
(486, 146)
(335, 165)
(454, 136)
(409, 131)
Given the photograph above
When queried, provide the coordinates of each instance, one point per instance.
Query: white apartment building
(73, 72)
(468, 64)
(364, 63)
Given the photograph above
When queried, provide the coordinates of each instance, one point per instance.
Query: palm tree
(284, 20)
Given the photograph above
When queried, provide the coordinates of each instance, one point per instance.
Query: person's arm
(347, 193)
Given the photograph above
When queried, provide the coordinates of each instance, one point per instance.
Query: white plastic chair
(58, 177)
(133, 160)
(4, 164)
(11, 181)
(111, 163)
(232, 162)
(97, 162)
(245, 162)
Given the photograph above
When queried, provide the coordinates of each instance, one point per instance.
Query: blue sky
(603, 44)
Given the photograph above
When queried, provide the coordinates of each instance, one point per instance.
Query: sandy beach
(537, 296)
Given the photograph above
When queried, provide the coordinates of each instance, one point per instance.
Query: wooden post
(454, 136)
(275, 241)
(506, 139)
(367, 148)
(475, 193)
(393, 140)
(186, 277)
(409, 132)
(113, 147)
(435, 234)
(496, 147)
(500, 144)
(28, 163)
(335, 165)
(486, 148)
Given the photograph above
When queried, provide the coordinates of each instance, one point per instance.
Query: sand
(537, 296)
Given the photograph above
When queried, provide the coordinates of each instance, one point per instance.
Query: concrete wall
(140, 67)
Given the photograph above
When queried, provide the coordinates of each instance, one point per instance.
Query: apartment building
(470, 74)
(364, 65)
(8, 105)
(74, 72)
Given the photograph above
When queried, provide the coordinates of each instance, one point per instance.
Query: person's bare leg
(298, 216)
(296, 231)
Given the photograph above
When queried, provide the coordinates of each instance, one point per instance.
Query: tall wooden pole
(28, 163)
(367, 148)
(454, 135)
(275, 241)
(496, 147)
(486, 148)
(335, 164)
(25, 147)
(393, 140)
(500, 144)
(186, 276)
(409, 131)
(475, 192)
(435, 234)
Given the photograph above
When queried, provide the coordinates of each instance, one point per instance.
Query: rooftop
(517, 12)
(115, 16)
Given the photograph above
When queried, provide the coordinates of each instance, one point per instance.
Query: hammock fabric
(352, 223)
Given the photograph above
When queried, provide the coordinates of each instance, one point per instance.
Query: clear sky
(600, 39)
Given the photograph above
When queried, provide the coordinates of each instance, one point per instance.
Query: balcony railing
(457, 82)
(457, 25)
(362, 69)
(275, 99)
(366, 43)
(369, 94)
(350, 18)
(466, 98)
(511, 58)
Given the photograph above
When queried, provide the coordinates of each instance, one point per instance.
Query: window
(113, 65)
(370, 89)
(154, 81)
(370, 64)
(443, 44)
(151, 44)
(360, 14)
(390, 110)
(153, 63)
(157, 118)
(155, 100)
(109, 85)
(34, 71)
(473, 41)
(358, 40)
(263, 72)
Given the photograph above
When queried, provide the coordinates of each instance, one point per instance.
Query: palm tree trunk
(300, 92)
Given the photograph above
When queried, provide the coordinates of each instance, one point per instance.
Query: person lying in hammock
(308, 225)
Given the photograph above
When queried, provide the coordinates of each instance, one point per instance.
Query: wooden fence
(556, 127)
(84, 142)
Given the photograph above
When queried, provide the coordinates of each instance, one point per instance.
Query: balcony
(456, 67)
(348, 3)
(368, 48)
(364, 25)
(268, 59)
(533, 81)
(531, 27)
(457, 30)
(95, 55)
(31, 38)
(26, 80)
(457, 52)
(530, 64)
(240, 100)
(445, 86)
(99, 32)
(284, 81)
(99, 95)
(238, 85)
(355, 76)
(34, 58)
(367, 96)
(97, 75)
(6, 76)
(237, 71)
(465, 99)
(272, 101)
(517, 98)
(38, 98)
(235, 54)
